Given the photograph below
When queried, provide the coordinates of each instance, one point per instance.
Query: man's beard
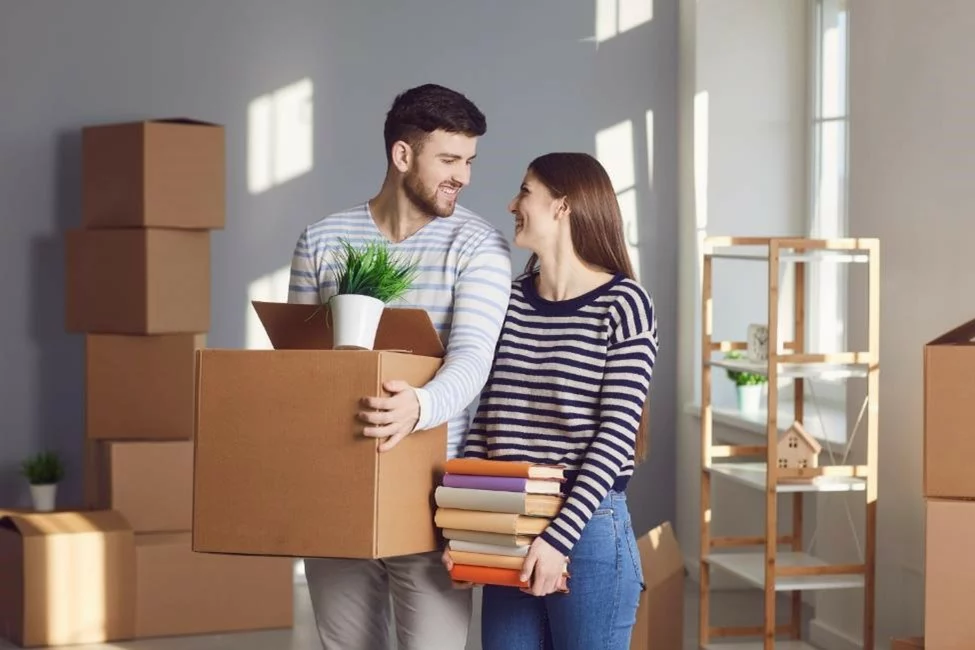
(424, 199)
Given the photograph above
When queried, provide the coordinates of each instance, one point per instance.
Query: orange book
(487, 575)
(517, 469)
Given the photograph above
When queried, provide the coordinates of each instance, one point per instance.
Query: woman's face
(536, 213)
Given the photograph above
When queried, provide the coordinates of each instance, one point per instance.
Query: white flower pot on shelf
(355, 320)
(750, 399)
(44, 496)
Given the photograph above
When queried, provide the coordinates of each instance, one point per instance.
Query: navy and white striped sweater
(568, 385)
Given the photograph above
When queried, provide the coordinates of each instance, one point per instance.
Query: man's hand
(392, 418)
(544, 566)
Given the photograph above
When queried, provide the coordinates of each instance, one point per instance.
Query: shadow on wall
(60, 356)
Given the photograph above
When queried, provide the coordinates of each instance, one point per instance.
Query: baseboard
(823, 635)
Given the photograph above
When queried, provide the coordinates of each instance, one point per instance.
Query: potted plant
(748, 386)
(369, 277)
(43, 471)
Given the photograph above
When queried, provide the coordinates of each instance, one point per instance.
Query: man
(464, 283)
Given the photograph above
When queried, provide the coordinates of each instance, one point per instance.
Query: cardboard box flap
(38, 524)
(291, 326)
(182, 120)
(961, 335)
(666, 555)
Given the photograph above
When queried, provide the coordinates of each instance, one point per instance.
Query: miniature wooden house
(797, 449)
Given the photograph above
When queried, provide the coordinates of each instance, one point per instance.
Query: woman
(569, 386)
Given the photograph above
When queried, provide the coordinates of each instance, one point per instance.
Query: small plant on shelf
(369, 277)
(747, 384)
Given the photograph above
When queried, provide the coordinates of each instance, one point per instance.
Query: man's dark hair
(419, 111)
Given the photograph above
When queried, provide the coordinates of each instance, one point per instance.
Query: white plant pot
(750, 399)
(355, 320)
(44, 496)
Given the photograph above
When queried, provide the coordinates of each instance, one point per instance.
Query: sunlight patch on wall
(280, 136)
(614, 17)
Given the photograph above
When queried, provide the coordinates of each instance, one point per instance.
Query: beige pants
(351, 600)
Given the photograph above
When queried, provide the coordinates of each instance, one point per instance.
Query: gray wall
(532, 67)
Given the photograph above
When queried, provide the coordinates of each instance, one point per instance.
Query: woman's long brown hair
(595, 225)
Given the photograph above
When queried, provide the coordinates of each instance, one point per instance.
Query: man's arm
(480, 301)
(303, 285)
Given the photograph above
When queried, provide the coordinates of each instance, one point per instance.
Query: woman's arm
(626, 382)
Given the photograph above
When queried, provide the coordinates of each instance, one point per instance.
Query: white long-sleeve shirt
(464, 283)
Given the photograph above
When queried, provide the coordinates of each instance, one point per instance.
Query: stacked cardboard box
(949, 489)
(138, 287)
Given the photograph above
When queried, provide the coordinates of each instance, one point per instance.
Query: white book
(491, 549)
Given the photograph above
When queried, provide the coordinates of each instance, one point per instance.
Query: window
(828, 183)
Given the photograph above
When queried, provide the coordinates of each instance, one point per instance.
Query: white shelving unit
(791, 569)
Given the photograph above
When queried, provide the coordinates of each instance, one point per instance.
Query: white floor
(729, 608)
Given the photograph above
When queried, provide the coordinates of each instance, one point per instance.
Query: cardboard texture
(912, 643)
(281, 467)
(949, 568)
(181, 592)
(66, 578)
(949, 411)
(166, 173)
(137, 281)
(140, 387)
(149, 483)
(660, 615)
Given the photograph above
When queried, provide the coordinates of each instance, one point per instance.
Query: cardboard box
(158, 173)
(281, 467)
(949, 411)
(140, 387)
(66, 578)
(912, 643)
(137, 281)
(149, 483)
(660, 615)
(181, 592)
(949, 569)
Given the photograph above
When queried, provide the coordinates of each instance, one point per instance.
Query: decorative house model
(797, 449)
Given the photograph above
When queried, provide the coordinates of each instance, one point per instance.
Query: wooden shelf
(754, 475)
(788, 370)
(751, 568)
(829, 256)
(795, 571)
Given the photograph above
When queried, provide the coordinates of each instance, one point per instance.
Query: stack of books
(490, 511)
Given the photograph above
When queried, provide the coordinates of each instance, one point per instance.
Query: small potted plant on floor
(748, 386)
(369, 277)
(43, 471)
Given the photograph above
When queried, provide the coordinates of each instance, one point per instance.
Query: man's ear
(402, 156)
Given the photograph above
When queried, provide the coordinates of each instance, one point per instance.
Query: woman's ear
(562, 210)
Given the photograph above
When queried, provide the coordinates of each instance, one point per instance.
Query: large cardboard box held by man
(660, 616)
(949, 410)
(281, 466)
(66, 578)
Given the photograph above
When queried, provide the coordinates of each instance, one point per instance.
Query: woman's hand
(544, 566)
(448, 564)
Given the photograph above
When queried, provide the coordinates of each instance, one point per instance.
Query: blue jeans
(599, 611)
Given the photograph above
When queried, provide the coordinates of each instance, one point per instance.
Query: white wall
(312, 80)
(743, 166)
(912, 161)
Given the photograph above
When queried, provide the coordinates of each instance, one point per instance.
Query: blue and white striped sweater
(463, 283)
(568, 386)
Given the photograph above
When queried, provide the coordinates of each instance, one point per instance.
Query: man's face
(440, 168)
